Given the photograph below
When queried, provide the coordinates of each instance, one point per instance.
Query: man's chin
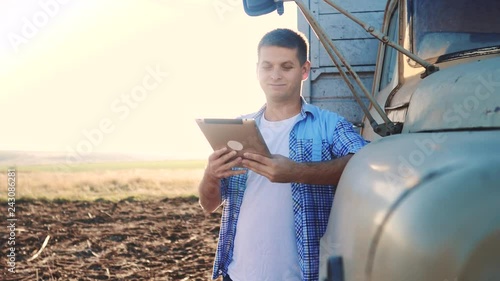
(275, 95)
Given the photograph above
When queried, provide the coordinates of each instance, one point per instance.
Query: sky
(126, 76)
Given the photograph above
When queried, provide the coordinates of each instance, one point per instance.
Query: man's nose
(276, 74)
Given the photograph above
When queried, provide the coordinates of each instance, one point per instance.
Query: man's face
(280, 73)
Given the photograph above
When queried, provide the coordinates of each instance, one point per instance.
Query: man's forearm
(324, 173)
(209, 192)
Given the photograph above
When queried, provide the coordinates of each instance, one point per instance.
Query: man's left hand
(278, 168)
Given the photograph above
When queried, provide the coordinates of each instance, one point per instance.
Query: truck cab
(462, 39)
(424, 204)
(422, 200)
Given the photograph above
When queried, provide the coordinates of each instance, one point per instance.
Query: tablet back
(241, 135)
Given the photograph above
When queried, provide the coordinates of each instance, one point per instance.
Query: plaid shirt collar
(304, 110)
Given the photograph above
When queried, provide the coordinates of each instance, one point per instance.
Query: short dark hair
(286, 38)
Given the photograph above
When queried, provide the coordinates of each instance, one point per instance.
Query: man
(276, 209)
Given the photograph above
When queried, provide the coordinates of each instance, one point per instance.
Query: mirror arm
(429, 67)
(388, 127)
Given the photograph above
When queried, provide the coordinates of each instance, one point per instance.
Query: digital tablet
(241, 135)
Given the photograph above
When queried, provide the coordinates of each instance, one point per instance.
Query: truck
(422, 200)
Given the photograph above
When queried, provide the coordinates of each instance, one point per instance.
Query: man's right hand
(220, 164)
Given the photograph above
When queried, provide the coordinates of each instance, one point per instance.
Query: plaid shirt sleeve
(345, 139)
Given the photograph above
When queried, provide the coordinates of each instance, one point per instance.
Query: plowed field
(170, 239)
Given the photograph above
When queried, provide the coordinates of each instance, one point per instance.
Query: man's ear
(306, 67)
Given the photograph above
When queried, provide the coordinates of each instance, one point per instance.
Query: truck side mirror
(262, 7)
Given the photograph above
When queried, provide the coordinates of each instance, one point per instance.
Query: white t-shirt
(265, 246)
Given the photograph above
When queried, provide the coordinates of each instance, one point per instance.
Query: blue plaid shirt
(318, 135)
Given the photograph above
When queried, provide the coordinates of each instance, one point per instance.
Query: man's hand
(281, 169)
(220, 164)
(278, 168)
